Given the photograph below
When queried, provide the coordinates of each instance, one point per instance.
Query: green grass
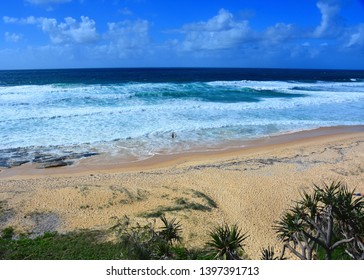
(338, 254)
(181, 253)
(208, 199)
(182, 205)
(84, 245)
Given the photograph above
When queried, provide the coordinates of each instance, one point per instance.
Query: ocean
(132, 113)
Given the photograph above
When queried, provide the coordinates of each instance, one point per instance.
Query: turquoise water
(133, 113)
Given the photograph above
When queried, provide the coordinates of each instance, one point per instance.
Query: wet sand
(250, 186)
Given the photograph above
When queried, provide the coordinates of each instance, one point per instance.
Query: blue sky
(176, 33)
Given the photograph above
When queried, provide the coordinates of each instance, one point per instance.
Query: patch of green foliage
(135, 242)
(181, 206)
(327, 223)
(7, 233)
(337, 254)
(226, 242)
(146, 242)
(84, 245)
(208, 199)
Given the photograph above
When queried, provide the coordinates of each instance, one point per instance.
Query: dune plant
(146, 242)
(329, 218)
(171, 230)
(268, 254)
(226, 242)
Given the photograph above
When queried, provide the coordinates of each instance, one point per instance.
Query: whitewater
(135, 119)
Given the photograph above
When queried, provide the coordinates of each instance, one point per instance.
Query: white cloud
(357, 38)
(9, 20)
(224, 32)
(223, 21)
(223, 37)
(127, 37)
(45, 2)
(69, 31)
(330, 21)
(12, 37)
(220, 32)
(124, 39)
(279, 32)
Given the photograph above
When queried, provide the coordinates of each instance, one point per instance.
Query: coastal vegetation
(325, 223)
(327, 220)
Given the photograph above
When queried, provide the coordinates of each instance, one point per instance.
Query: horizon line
(182, 67)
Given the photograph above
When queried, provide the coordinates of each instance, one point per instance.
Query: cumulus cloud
(126, 38)
(280, 32)
(357, 37)
(133, 31)
(10, 20)
(12, 37)
(224, 20)
(223, 36)
(27, 20)
(330, 25)
(220, 32)
(69, 31)
(224, 32)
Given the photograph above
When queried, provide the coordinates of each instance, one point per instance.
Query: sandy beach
(249, 186)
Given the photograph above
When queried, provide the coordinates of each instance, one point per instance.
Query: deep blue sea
(132, 112)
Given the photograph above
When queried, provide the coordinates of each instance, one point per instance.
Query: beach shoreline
(249, 186)
(105, 163)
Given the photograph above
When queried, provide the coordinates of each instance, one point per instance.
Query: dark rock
(53, 159)
(80, 155)
(43, 158)
(89, 154)
(18, 162)
(53, 164)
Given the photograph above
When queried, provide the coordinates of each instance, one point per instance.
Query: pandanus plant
(227, 242)
(329, 218)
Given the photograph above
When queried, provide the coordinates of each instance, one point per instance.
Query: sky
(38, 34)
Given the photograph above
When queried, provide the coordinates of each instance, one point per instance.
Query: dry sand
(250, 187)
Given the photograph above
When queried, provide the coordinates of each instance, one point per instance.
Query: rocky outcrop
(43, 158)
(52, 164)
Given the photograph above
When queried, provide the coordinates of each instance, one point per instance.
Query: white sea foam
(139, 117)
